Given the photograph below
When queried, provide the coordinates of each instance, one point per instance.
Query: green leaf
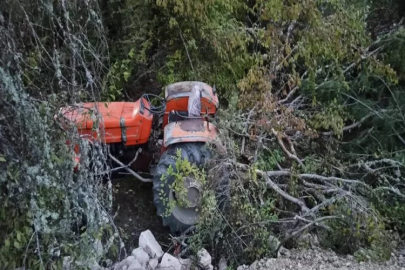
(2, 159)
(131, 53)
(126, 75)
(17, 245)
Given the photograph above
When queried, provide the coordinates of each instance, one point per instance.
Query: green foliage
(332, 117)
(353, 229)
(182, 40)
(243, 228)
(47, 210)
(301, 67)
(268, 160)
(182, 170)
(392, 208)
(117, 76)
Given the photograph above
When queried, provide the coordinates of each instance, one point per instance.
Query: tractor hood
(84, 115)
(121, 121)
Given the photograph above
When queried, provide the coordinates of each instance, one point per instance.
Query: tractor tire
(177, 218)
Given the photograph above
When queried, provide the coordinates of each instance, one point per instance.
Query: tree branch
(354, 125)
(185, 47)
(285, 150)
(242, 150)
(284, 194)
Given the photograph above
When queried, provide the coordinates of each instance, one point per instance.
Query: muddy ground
(136, 212)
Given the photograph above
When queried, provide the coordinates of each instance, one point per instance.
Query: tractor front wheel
(175, 214)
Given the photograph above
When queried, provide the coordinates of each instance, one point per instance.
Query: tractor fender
(189, 131)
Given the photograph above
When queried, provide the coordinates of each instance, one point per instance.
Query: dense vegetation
(313, 117)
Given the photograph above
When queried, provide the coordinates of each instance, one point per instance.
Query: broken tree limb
(354, 125)
(292, 92)
(298, 232)
(305, 176)
(242, 150)
(284, 148)
(284, 194)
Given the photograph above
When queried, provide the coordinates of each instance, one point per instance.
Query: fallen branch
(284, 148)
(292, 92)
(242, 150)
(354, 125)
(303, 228)
(284, 194)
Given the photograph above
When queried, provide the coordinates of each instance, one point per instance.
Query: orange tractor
(145, 138)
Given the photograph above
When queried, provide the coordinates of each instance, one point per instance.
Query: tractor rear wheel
(175, 215)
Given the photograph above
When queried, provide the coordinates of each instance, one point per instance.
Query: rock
(135, 265)
(95, 266)
(108, 263)
(314, 241)
(253, 266)
(119, 265)
(124, 267)
(141, 256)
(129, 260)
(283, 252)
(273, 243)
(152, 264)
(332, 259)
(242, 267)
(308, 240)
(222, 265)
(185, 264)
(204, 257)
(149, 244)
(210, 267)
(336, 264)
(169, 262)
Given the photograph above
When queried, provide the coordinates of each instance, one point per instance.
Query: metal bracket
(123, 131)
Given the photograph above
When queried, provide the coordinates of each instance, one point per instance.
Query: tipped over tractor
(144, 137)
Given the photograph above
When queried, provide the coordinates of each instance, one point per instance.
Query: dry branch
(185, 47)
(354, 125)
(242, 150)
(284, 194)
(285, 150)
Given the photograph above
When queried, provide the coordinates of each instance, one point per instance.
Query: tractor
(144, 137)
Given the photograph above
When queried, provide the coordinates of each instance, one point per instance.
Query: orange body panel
(177, 98)
(189, 131)
(122, 122)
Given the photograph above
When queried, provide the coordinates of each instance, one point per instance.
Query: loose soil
(135, 212)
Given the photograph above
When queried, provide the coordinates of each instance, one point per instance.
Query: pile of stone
(150, 256)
